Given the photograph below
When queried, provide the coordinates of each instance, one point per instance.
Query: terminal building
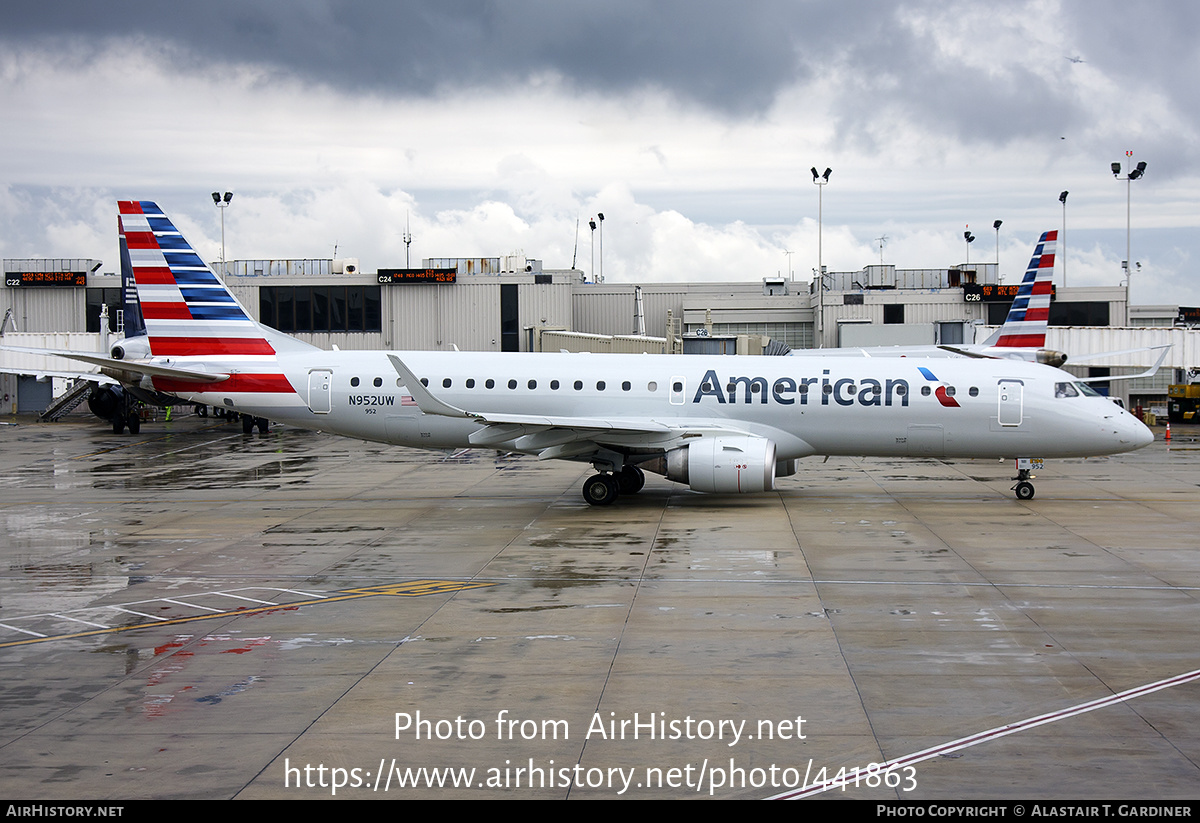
(514, 303)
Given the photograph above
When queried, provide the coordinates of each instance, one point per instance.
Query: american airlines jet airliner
(720, 424)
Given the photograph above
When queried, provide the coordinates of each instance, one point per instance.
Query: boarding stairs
(66, 402)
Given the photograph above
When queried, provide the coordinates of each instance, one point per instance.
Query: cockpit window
(1075, 390)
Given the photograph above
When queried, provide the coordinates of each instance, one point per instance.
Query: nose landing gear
(1023, 488)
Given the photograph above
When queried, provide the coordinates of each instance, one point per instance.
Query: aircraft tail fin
(131, 311)
(188, 311)
(1025, 326)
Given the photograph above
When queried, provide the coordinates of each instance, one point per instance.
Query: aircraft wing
(556, 436)
(965, 352)
(1150, 372)
(132, 367)
(1083, 358)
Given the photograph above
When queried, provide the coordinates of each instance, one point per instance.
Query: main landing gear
(125, 415)
(603, 489)
(249, 422)
(131, 420)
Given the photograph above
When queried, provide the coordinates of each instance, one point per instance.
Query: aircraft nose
(1144, 437)
(1135, 432)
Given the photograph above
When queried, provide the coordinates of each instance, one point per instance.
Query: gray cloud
(727, 57)
(734, 59)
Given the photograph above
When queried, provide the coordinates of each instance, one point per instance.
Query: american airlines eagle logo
(940, 392)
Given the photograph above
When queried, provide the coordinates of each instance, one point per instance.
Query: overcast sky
(498, 126)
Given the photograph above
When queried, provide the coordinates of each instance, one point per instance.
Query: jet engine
(106, 401)
(724, 465)
(131, 348)
(1050, 357)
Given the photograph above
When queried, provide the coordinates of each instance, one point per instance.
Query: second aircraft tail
(1025, 326)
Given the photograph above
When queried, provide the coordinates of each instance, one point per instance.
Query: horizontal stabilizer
(131, 366)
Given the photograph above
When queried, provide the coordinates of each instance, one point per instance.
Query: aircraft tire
(134, 422)
(600, 490)
(118, 425)
(1024, 490)
(630, 480)
(263, 424)
(201, 411)
(247, 424)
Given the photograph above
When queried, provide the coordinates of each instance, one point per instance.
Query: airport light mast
(820, 180)
(1134, 173)
(222, 203)
(600, 217)
(1062, 241)
(592, 223)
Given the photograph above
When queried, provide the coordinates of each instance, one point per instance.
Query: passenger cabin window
(353, 381)
(378, 381)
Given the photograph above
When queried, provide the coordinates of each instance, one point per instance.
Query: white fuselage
(805, 404)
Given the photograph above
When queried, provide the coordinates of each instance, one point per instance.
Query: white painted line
(190, 605)
(78, 620)
(247, 599)
(137, 614)
(22, 631)
(1001, 731)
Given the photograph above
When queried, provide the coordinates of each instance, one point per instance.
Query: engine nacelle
(724, 465)
(105, 401)
(131, 348)
(1050, 357)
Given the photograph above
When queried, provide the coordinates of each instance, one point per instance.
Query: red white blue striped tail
(190, 316)
(1029, 316)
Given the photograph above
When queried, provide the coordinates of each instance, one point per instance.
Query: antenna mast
(407, 242)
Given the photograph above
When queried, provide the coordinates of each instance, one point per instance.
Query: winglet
(426, 402)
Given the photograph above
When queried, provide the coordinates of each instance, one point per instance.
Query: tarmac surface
(197, 613)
